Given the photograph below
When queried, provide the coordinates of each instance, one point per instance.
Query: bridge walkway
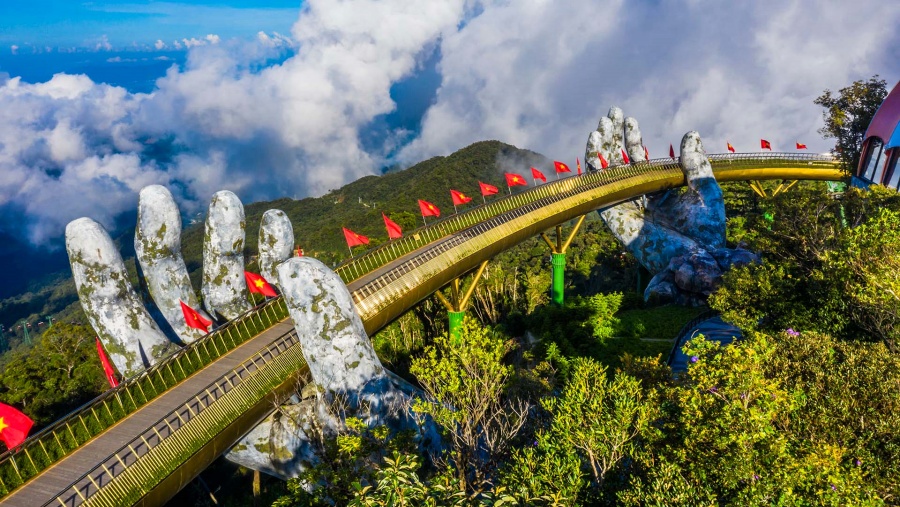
(55, 485)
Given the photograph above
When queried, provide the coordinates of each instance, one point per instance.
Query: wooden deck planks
(49, 484)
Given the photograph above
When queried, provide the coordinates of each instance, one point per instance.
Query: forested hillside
(317, 223)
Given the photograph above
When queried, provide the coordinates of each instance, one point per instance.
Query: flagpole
(455, 211)
(557, 175)
(423, 221)
(509, 188)
(483, 198)
(351, 250)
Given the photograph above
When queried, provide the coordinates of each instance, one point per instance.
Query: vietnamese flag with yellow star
(193, 318)
(730, 147)
(487, 189)
(538, 175)
(428, 209)
(354, 239)
(513, 179)
(560, 167)
(14, 425)
(459, 197)
(258, 284)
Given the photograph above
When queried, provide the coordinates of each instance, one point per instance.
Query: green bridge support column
(558, 261)
(456, 305)
(455, 320)
(558, 265)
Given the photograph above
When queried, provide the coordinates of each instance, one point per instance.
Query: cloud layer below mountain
(537, 74)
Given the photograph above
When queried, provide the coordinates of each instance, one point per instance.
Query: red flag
(394, 230)
(513, 179)
(258, 284)
(14, 425)
(428, 209)
(487, 189)
(603, 162)
(646, 153)
(560, 167)
(193, 319)
(801, 146)
(765, 145)
(354, 239)
(459, 197)
(625, 156)
(107, 368)
(671, 152)
(730, 147)
(299, 251)
(538, 175)
(578, 163)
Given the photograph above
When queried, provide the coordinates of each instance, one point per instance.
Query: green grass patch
(659, 322)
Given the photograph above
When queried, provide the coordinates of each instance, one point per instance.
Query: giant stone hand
(678, 235)
(341, 359)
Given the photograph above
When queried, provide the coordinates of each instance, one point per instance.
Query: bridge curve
(255, 357)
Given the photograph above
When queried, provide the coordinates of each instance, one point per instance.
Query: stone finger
(131, 338)
(706, 221)
(617, 138)
(634, 143)
(276, 242)
(224, 288)
(157, 244)
(340, 355)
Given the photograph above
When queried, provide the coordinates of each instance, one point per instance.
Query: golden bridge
(140, 443)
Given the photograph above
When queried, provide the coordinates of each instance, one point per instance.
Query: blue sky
(124, 24)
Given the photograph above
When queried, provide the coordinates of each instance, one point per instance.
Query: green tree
(348, 460)
(847, 116)
(739, 430)
(466, 383)
(60, 373)
(597, 424)
(866, 264)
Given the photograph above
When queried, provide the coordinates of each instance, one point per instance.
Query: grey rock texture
(131, 338)
(348, 378)
(157, 243)
(276, 242)
(678, 235)
(634, 143)
(341, 357)
(224, 288)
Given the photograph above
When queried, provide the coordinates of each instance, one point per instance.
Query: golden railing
(41, 450)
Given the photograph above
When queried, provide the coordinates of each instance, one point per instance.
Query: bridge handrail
(184, 416)
(357, 267)
(56, 441)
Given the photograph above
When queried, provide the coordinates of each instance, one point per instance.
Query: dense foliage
(61, 372)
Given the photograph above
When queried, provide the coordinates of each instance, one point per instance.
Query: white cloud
(540, 74)
(537, 74)
(15, 49)
(71, 147)
(159, 45)
(103, 44)
(213, 38)
(274, 40)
